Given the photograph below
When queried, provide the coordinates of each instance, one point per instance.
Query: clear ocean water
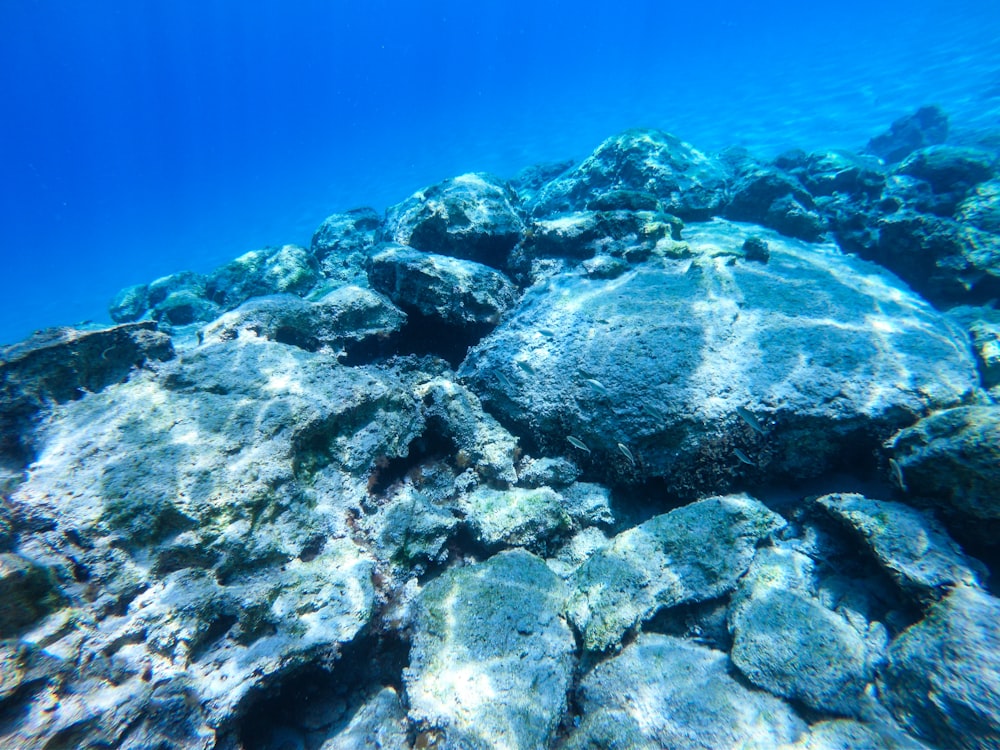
(143, 138)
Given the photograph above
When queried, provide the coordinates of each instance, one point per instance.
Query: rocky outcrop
(491, 659)
(710, 368)
(925, 127)
(343, 244)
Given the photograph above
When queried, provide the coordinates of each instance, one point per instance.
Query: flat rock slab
(491, 659)
(943, 677)
(664, 692)
(912, 546)
(691, 554)
(714, 367)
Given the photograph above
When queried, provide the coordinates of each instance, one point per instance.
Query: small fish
(547, 333)
(897, 474)
(743, 457)
(577, 443)
(627, 453)
(504, 381)
(597, 385)
(523, 364)
(653, 412)
(747, 416)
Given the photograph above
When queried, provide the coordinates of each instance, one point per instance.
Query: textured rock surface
(345, 317)
(912, 546)
(845, 734)
(475, 217)
(943, 677)
(690, 554)
(925, 127)
(682, 179)
(491, 659)
(954, 457)
(685, 362)
(343, 244)
(449, 290)
(787, 642)
(665, 692)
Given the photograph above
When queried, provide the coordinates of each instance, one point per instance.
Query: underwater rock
(840, 172)
(983, 325)
(286, 270)
(441, 288)
(942, 681)
(630, 235)
(379, 723)
(912, 546)
(201, 527)
(847, 734)
(950, 169)
(532, 178)
(953, 457)
(410, 530)
(926, 127)
(344, 318)
(981, 209)
(491, 659)
(64, 364)
(532, 519)
(474, 217)
(685, 181)
(343, 244)
(180, 299)
(691, 554)
(774, 199)
(690, 364)
(786, 641)
(664, 692)
(27, 593)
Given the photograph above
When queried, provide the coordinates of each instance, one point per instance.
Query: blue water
(142, 138)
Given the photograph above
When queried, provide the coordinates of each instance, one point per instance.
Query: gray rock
(950, 168)
(847, 734)
(588, 504)
(769, 197)
(787, 642)
(28, 592)
(553, 472)
(953, 456)
(130, 304)
(927, 126)
(474, 217)
(983, 325)
(663, 692)
(379, 723)
(685, 181)
(691, 554)
(201, 533)
(63, 364)
(448, 290)
(942, 681)
(289, 269)
(630, 235)
(344, 318)
(181, 299)
(343, 243)
(686, 361)
(491, 659)
(912, 546)
(576, 551)
(410, 531)
(529, 518)
(982, 208)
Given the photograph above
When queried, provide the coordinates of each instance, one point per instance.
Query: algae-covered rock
(491, 658)
(912, 546)
(474, 217)
(663, 692)
(343, 244)
(847, 734)
(924, 127)
(530, 518)
(445, 289)
(942, 681)
(289, 269)
(379, 723)
(788, 642)
(953, 456)
(685, 181)
(691, 554)
(690, 364)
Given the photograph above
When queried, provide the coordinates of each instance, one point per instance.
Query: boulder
(289, 269)
(444, 289)
(180, 299)
(628, 235)
(909, 544)
(786, 641)
(491, 659)
(691, 554)
(711, 368)
(942, 681)
(663, 692)
(772, 198)
(379, 723)
(981, 208)
(474, 217)
(953, 457)
(349, 318)
(983, 325)
(343, 244)
(682, 179)
(950, 169)
(926, 127)
(847, 734)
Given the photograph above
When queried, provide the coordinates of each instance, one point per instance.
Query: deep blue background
(142, 138)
